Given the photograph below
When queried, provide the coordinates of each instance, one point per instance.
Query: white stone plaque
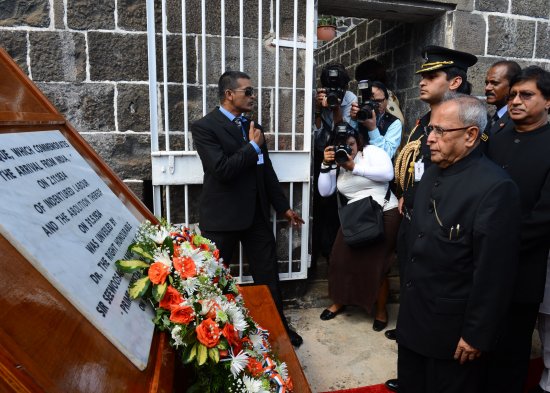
(64, 219)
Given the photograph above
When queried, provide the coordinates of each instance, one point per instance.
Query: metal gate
(282, 33)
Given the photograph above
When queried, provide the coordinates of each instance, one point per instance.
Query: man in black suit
(240, 185)
(462, 248)
(523, 153)
(497, 87)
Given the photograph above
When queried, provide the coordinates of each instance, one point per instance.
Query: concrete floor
(344, 352)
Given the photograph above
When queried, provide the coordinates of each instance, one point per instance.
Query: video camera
(367, 104)
(334, 79)
(342, 132)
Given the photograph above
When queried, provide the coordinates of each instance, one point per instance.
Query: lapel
(500, 124)
(228, 127)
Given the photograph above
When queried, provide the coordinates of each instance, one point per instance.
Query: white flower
(282, 370)
(163, 256)
(238, 362)
(235, 316)
(257, 342)
(253, 385)
(176, 336)
(159, 236)
(190, 285)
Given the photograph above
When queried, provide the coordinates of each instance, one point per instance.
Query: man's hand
(294, 219)
(369, 124)
(255, 134)
(328, 155)
(320, 99)
(465, 352)
(349, 164)
(400, 204)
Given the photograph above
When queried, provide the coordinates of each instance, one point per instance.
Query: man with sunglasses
(240, 185)
(461, 257)
(523, 153)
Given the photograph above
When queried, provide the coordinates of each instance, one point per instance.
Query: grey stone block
(377, 45)
(492, 5)
(87, 106)
(136, 187)
(128, 154)
(175, 59)
(373, 28)
(15, 43)
(510, 37)
(132, 15)
(405, 77)
(58, 56)
(534, 8)
(286, 68)
(133, 107)
(91, 14)
(34, 13)
(350, 41)
(469, 32)
(345, 59)
(361, 33)
(117, 57)
(543, 41)
(176, 105)
(364, 52)
(286, 118)
(59, 14)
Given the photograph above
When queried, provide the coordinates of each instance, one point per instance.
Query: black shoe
(378, 325)
(295, 338)
(391, 334)
(392, 384)
(327, 314)
(537, 389)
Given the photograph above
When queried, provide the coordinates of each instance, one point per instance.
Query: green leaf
(139, 288)
(190, 354)
(159, 291)
(223, 344)
(202, 354)
(130, 265)
(141, 252)
(169, 244)
(214, 354)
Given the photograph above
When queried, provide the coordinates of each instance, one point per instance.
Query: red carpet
(535, 370)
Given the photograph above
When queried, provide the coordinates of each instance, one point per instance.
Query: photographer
(332, 106)
(357, 276)
(332, 103)
(378, 127)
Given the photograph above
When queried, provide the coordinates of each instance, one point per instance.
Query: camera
(341, 147)
(367, 104)
(334, 79)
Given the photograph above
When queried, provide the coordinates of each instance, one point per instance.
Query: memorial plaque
(68, 223)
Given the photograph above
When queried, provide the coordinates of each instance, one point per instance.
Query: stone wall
(90, 59)
(491, 30)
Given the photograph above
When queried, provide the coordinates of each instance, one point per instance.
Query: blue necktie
(239, 122)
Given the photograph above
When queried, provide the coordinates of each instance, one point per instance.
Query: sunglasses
(249, 91)
(523, 95)
(440, 131)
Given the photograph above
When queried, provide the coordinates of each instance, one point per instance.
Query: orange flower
(185, 266)
(230, 297)
(288, 385)
(216, 254)
(182, 314)
(232, 337)
(158, 272)
(208, 333)
(172, 298)
(205, 247)
(177, 249)
(254, 367)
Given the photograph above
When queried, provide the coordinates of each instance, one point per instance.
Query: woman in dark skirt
(357, 276)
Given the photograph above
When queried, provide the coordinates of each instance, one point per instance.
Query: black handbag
(362, 221)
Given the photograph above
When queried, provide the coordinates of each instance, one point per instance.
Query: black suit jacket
(233, 181)
(459, 284)
(503, 123)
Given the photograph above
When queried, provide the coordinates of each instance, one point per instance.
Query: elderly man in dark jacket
(462, 257)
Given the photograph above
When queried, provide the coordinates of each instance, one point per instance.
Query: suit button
(413, 260)
(437, 183)
(430, 210)
(409, 284)
(421, 235)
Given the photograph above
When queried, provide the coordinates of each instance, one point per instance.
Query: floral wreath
(199, 303)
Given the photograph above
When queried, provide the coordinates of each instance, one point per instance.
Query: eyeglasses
(440, 131)
(249, 91)
(380, 100)
(523, 95)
